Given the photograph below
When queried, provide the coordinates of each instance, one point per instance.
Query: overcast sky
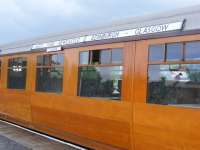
(23, 19)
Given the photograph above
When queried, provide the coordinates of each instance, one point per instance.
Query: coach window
(176, 83)
(49, 74)
(100, 78)
(17, 73)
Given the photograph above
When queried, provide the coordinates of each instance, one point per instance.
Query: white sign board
(54, 49)
(115, 34)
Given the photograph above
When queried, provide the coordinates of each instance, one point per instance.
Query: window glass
(192, 51)
(50, 60)
(174, 52)
(117, 55)
(12, 62)
(49, 76)
(16, 78)
(177, 84)
(157, 52)
(40, 60)
(104, 82)
(46, 60)
(49, 79)
(20, 61)
(105, 56)
(60, 59)
(54, 59)
(84, 58)
(57, 59)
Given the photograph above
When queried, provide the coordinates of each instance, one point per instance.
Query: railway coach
(132, 84)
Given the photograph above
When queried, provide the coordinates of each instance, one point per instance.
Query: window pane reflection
(49, 79)
(84, 58)
(117, 55)
(192, 51)
(49, 60)
(104, 82)
(105, 56)
(20, 61)
(174, 52)
(16, 78)
(157, 52)
(177, 84)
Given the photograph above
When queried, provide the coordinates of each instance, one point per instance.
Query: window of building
(49, 73)
(102, 79)
(175, 83)
(17, 73)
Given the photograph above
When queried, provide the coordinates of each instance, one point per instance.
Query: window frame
(90, 64)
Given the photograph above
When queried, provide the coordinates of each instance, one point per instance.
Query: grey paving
(7, 144)
(13, 138)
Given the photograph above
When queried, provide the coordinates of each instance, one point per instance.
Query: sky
(25, 19)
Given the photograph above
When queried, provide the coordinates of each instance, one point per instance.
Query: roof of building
(189, 14)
